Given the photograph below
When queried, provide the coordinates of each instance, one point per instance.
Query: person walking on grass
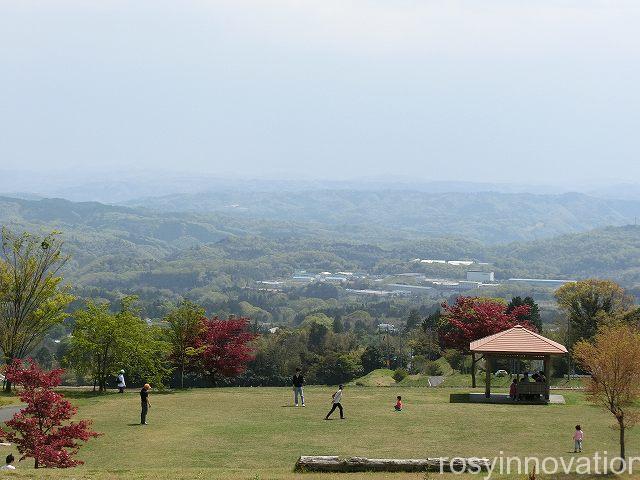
(144, 400)
(298, 383)
(336, 398)
(121, 384)
(578, 436)
(9, 465)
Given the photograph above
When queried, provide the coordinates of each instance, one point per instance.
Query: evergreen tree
(533, 317)
(413, 320)
(371, 359)
(431, 322)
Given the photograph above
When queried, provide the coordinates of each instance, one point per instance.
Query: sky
(493, 91)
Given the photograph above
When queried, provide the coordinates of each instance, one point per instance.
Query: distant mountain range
(136, 186)
(489, 217)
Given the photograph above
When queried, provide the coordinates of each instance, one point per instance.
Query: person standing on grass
(578, 436)
(513, 390)
(298, 383)
(144, 399)
(336, 398)
(9, 465)
(121, 384)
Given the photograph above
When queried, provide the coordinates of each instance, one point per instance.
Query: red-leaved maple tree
(472, 318)
(43, 430)
(223, 347)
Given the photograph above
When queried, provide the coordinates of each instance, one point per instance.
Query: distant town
(478, 275)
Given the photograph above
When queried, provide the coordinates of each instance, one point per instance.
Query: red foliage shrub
(43, 430)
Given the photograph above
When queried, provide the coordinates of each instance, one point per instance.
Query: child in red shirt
(398, 405)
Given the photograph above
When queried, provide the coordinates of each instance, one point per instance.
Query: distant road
(7, 412)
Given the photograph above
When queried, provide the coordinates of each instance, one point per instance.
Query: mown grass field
(255, 433)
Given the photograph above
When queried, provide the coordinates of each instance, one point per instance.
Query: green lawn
(8, 399)
(254, 433)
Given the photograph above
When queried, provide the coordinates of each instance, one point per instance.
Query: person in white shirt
(9, 465)
(121, 384)
(336, 398)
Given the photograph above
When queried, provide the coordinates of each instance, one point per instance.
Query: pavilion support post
(547, 375)
(487, 367)
(473, 370)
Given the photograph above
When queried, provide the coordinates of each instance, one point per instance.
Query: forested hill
(612, 252)
(109, 239)
(484, 216)
(119, 239)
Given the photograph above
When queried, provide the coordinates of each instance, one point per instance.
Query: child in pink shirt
(578, 435)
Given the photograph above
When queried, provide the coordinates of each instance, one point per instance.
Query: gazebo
(518, 342)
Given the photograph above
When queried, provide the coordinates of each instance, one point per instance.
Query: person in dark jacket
(144, 401)
(298, 383)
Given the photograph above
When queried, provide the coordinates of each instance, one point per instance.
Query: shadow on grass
(459, 398)
(78, 393)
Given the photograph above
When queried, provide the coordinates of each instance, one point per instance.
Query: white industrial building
(480, 276)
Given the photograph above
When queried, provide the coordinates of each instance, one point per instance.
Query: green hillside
(216, 258)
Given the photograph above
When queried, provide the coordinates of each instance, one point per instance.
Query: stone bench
(322, 463)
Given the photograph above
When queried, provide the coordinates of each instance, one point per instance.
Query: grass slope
(254, 433)
(381, 377)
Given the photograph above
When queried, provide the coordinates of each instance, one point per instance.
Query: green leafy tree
(319, 318)
(585, 301)
(103, 342)
(185, 325)
(455, 358)
(335, 368)
(371, 359)
(338, 326)
(317, 334)
(32, 297)
(424, 343)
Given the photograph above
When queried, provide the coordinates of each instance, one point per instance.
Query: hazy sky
(488, 90)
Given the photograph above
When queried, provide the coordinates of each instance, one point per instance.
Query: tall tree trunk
(182, 375)
(8, 360)
(622, 452)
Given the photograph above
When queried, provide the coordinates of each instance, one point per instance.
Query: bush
(432, 368)
(455, 359)
(400, 374)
